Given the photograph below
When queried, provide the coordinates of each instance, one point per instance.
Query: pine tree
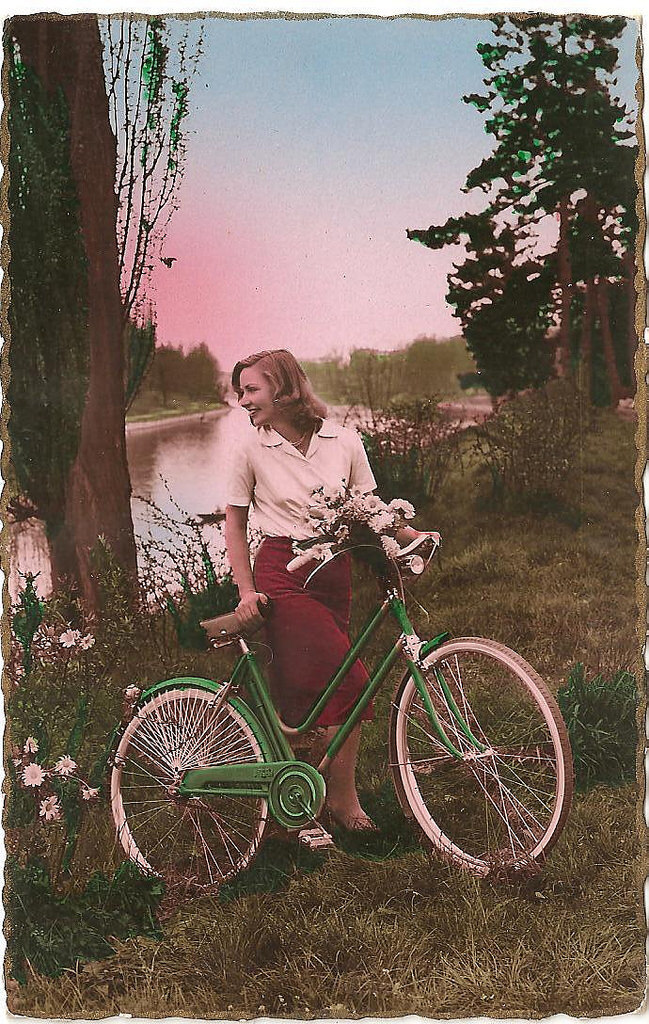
(560, 137)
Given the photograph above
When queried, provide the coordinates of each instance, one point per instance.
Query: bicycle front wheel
(194, 843)
(500, 806)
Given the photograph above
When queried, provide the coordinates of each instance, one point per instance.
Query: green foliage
(68, 790)
(563, 143)
(601, 718)
(216, 596)
(372, 378)
(140, 352)
(150, 66)
(505, 305)
(49, 352)
(27, 618)
(529, 444)
(56, 932)
(175, 378)
(19, 804)
(411, 448)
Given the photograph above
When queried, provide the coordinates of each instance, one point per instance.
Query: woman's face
(256, 396)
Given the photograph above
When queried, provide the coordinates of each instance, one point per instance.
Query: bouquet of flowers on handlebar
(347, 517)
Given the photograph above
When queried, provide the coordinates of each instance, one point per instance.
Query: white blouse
(272, 475)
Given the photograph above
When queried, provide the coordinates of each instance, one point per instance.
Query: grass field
(381, 929)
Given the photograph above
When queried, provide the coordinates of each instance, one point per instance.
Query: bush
(53, 932)
(601, 720)
(529, 444)
(411, 448)
(181, 576)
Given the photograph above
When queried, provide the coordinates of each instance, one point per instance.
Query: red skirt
(307, 630)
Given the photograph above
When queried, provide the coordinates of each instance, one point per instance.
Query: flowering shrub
(529, 445)
(344, 517)
(411, 446)
(182, 576)
(46, 782)
(36, 642)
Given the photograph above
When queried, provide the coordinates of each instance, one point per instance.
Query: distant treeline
(177, 378)
(425, 367)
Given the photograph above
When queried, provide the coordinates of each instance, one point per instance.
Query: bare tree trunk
(565, 285)
(586, 346)
(66, 53)
(631, 334)
(617, 392)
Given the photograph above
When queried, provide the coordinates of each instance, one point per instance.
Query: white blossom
(65, 765)
(50, 808)
(390, 547)
(33, 774)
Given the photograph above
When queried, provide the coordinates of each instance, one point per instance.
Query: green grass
(177, 409)
(382, 929)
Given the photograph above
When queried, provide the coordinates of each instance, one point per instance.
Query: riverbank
(174, 417)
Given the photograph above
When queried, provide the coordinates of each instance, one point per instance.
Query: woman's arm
(236, 541)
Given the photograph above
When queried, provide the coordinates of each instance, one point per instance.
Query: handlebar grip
(265, 609)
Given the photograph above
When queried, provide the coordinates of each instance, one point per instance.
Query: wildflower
(31, 745)
(50, 808)
(132, 692)
(406, 509)
(69, 638)
(88, 793)
(379, 523)
(46, 633)
(373, 503)
(390, 547)
(33, 774)
(65, 765)
(86, 642)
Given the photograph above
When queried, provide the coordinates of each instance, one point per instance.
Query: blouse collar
(270, 437)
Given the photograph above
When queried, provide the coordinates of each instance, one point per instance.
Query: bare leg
(342, 798)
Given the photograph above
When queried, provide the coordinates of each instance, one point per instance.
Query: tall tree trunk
(66, 53)
(631, 333)
(603, 302)
(562, 364)
(586, 345)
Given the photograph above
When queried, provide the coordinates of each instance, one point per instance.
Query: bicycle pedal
(315, 838)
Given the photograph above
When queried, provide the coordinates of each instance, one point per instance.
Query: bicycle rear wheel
(496, 811)
(194, 843)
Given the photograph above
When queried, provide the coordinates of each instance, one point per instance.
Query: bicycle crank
(296, 795)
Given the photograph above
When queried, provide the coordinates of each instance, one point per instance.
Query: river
(179, 464)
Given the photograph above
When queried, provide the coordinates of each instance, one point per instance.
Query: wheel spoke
(502, 802)
(201, 840)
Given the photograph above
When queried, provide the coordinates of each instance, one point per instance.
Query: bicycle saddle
(225, 628)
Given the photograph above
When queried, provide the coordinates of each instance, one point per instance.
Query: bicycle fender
(196, 682)
(432, 645)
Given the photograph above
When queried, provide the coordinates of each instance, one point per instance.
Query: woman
(293, 450)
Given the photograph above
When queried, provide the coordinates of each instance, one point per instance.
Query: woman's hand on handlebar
(249, 606)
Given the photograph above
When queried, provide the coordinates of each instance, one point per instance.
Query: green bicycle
(478, 751)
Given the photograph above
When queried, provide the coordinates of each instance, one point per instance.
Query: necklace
(298, 444)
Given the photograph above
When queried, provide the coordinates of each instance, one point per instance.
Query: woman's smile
(256, 396)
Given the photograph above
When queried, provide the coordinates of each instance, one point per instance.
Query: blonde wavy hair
(292, 391)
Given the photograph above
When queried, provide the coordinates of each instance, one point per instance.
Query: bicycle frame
(256, 779)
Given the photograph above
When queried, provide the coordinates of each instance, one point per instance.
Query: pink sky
(314, 146)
